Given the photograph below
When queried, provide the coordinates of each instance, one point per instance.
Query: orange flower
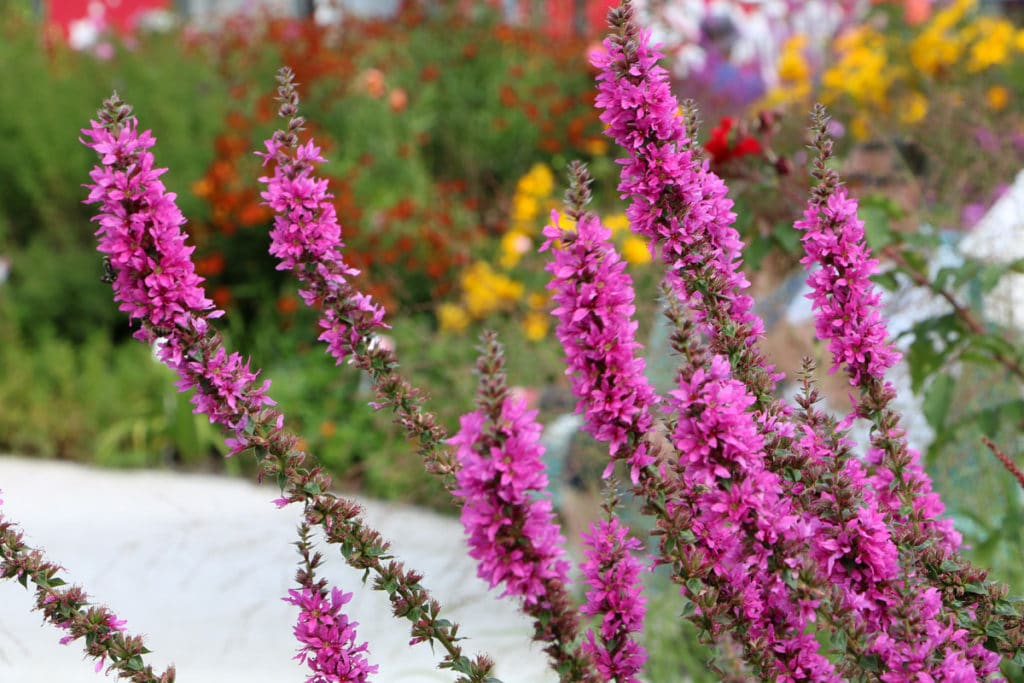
(211, 265)
(222, 297)
(253, 213)
(429, 73)
(287, 305)
(398, 100)
(373, 83)
(507, 96)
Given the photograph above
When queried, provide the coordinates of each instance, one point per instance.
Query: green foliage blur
(427, 121)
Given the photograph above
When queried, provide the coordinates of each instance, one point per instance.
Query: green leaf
(938, 396)
(877, 226)
(838, 640)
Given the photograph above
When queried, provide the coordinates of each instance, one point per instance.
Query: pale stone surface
(999, 238)
(197, 565)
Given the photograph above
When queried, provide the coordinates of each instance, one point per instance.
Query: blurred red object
(565, 18)
(726, 144)
(122, 16)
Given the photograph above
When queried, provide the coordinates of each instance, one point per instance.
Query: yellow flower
(514, 244)
(535, 325)
(793, 67)
(538, 182)
(635, 251)
(537, 300)
(485, 291)
(860, 128)
(861, 71)
(995, 38)
(997, 97)
(452, 317)
(914, 108)
(616, 223)
(933, 52)
(525, 209)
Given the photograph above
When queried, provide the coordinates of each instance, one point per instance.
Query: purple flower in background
(512, 532)
(593, 295)
(328, 638)
(613, 574)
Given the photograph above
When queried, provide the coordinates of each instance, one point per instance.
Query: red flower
(723, 146)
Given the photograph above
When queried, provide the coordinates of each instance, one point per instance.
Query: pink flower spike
(593, 296)
(512, 532)
(306, 239)
(328, 638)
(615, 595)
(846, 302)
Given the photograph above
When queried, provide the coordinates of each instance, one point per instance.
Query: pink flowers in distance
(328, 638)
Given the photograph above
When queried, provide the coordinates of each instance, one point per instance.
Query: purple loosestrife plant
(676, 201)
(777, 532)
(155, 281)
(69, 608)
(680, 206)
(593, 296)
(510, 524)
(615, 596)
(327, 637)
(752, 538)
(306, 238)
(929, 640)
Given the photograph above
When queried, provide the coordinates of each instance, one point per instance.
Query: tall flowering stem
(306, 239)
(753, 542)
(156, 284)
(848, 317)
(615, 596)
(69, 608)
(593, 296)
(675, 200)
(510, 523)
(327, 636)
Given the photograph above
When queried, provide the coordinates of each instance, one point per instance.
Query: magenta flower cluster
(328, 638)
(743, 519)
(841, 266)
(306, 237)
(760, 548)
(615, 595)
(593, 297)
(660, 174)
(140, 232)
(510, 527)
